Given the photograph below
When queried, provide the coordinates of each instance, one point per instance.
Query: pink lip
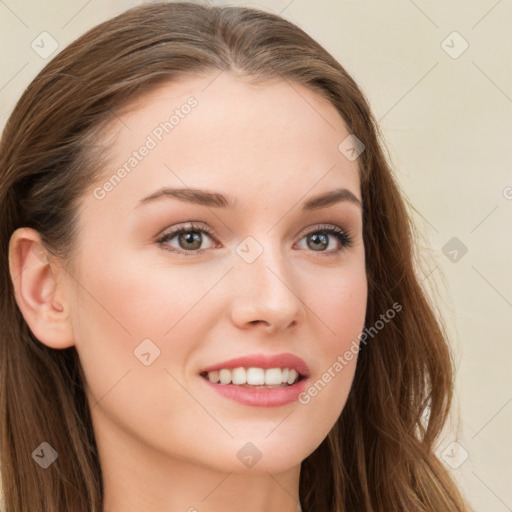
(264, 361)
(260, 397)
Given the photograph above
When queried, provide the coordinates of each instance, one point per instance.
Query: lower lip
(260, 397)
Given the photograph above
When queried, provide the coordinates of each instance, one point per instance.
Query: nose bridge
(266, 289)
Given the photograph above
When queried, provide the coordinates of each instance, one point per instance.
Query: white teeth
(273, 376)
(225, 376)
(292, 376)
(239, 376)
(254, 376)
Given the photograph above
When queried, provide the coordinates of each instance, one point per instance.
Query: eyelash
(341, 235)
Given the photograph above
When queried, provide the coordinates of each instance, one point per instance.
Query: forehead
(224, 132)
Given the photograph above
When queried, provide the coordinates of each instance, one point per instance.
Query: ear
(38, 280)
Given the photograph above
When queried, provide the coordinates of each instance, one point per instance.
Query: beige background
(447, 120)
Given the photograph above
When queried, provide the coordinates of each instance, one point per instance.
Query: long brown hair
(379, 456)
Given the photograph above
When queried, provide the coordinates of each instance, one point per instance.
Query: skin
(166, 441)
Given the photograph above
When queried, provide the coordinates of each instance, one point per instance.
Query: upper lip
(265, 361)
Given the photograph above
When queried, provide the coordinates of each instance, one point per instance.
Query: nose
(266, 292)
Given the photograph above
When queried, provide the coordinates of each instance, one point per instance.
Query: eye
(190, 238)
(318, 240)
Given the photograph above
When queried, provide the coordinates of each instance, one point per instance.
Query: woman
(209, 299)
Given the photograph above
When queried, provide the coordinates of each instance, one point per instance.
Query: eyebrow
(218, 200)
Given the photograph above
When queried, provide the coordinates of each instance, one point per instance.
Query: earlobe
(38, 287)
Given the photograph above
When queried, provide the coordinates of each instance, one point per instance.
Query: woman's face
(256, 275)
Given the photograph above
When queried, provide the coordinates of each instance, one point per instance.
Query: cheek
(118, 307)
(340, 310)
(134, 335)
(132, 299)
(129, 307)
(337, 304)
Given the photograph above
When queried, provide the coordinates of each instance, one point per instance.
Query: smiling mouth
(253, 377)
